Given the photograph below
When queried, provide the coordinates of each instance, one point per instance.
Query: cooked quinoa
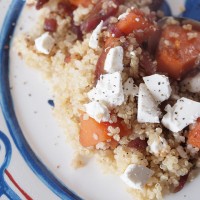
(70, 69)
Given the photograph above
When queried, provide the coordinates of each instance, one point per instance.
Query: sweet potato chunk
(177, 51)
(136, 22)
(194, 135)
(92, 132)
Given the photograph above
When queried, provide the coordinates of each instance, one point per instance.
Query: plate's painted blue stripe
(166, 9)
(192, 9)
(7, 106)
(4, 187)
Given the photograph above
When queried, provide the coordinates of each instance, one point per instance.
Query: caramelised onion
(77, 30)
(182, 181)
(99, 13)
(110, 43)
(65, 8)
(50, 25)
(138, 144)
(147, 64)
(153, 41)
(100, 65)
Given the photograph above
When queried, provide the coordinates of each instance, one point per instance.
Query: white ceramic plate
(35, 135)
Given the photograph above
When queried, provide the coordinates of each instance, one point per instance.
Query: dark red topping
(98, 13)
(100, 64)
(50, 25)
(182, 181)
(115, 31)
(110, 43)
(147, 64)
(77, 30)
(40, 3)
(138, 144)
(65, 8)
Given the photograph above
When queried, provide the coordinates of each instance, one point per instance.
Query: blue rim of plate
(6, 104)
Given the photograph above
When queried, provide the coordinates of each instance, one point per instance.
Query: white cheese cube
(157, 145)
(114, 60)
(192, 84)
(183, 113)
(94, 38)
(44, 43)
(136, 176)
(97, 111)
(108, 90)
(130, 89)
(148, 111)
(159, 86)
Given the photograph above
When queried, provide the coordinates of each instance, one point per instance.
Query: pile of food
(126, 87)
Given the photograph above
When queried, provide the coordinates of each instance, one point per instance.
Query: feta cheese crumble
(97, 111)
(94, 38)
(108, 90)
(157, 145)
(114, 60)
(44, 43)
(136, 176)
(130, 89)
(148, 110)
(192, 84)
(159, 86)
(183, 113)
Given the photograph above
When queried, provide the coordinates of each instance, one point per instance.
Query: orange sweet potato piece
(92, 132)
(139, 23)
(176, 53)
(194, 135)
